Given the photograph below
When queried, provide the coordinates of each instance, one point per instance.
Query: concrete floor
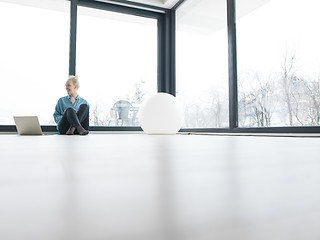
(142, 187)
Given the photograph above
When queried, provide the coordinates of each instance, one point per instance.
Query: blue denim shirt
(64, 103)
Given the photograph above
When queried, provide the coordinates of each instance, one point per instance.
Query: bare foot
(70, 131)
(82, 131)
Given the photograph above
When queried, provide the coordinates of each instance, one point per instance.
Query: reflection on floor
(140, 187)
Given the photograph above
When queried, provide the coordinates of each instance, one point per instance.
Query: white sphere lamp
(161, 114)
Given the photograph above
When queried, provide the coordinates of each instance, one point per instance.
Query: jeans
(71, 118)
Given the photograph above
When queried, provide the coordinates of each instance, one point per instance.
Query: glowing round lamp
(160, 114)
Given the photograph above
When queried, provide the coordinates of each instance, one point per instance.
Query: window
(34, 48)
(202, 63)
(116, 61)
(278, 63)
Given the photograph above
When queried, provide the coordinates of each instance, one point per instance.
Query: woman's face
(71, 88)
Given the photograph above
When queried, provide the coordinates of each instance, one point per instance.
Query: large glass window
(278, 63)
(116, 64)
(33, 58)
(202, 63)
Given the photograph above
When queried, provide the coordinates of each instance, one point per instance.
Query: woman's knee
(70, 109)
(84, 107)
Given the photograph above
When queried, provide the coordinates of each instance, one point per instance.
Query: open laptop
(28, 125)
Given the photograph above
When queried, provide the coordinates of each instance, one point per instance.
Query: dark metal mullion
(119, 8)
(232, 60)
(162, 48)
(172, 52)
(166, 53)
(177, 4)
(73, 37)
(137, 4)
(269, 130)
(160, 62)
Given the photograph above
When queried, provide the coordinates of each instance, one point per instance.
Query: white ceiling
(205, 16)
(199, 7)
(205, 5)
(202, 16)
(158, 3)
(208, 16)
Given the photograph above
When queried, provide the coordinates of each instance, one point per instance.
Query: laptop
(28, 125)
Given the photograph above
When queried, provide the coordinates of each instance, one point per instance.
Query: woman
(72, 112)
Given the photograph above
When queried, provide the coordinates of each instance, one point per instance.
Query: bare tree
(242, 103)
(216, 114)
(257, 105)
(287, 78)
(291, 98)
(94, 116)
(193, 118)
(138, 94)
(312, 91)
(97, 118)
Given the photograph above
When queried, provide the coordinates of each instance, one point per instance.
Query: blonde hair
(74, 80)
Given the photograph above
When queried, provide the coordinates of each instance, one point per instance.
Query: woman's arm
(58, 112)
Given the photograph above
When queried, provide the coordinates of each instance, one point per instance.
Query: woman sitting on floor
(72, 112)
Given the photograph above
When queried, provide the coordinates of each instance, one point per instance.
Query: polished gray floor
(141, 187)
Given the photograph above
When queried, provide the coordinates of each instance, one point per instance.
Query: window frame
(165, 45)
(166, 79)
(233, 88)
